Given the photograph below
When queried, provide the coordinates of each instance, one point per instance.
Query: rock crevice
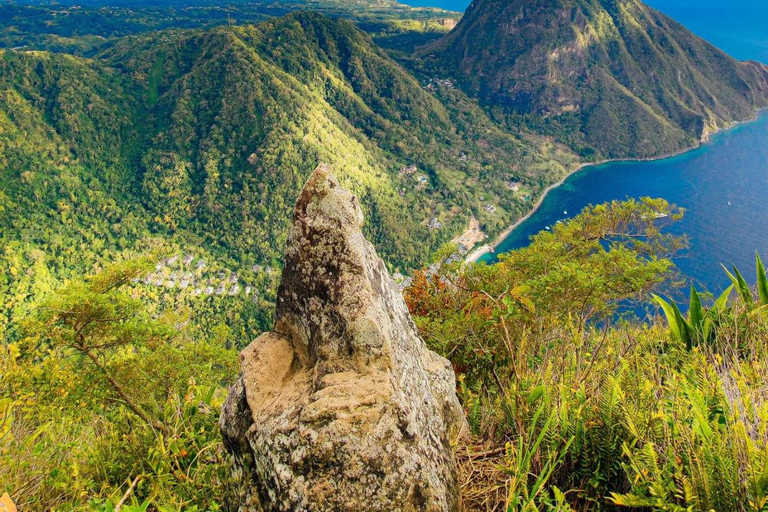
(342, 406)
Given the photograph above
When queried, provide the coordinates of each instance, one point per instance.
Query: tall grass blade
(741, 285)
(762, 281)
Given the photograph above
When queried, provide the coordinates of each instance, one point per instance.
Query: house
(188, 259)
(490, 208)
(234, 290)
(434, 223)
(221, 289)
(513, 186)
(407, 171)
(453, 258)
(200, 264)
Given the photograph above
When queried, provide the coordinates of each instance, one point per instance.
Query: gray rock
(342, 407)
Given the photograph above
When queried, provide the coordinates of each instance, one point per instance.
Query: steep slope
(71, 140)
(611, 76)
(196, 142)
(241, 116)
(66, 139)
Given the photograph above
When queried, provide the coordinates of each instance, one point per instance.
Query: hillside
(84, 28)
(241, 115)
(196, 141)
(613, 78)
(147, 193)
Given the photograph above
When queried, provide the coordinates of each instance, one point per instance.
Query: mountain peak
(614, 77)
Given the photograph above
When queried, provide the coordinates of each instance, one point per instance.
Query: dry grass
(483, 482)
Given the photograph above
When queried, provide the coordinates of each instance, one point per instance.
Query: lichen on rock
(342, 406)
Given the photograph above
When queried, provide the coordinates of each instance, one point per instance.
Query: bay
(723, 185)
(732, 168)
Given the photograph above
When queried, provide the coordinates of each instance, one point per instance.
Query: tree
(96, 319)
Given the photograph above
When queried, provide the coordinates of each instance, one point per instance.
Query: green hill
(613, 77)
(192, 140)
(240, 116)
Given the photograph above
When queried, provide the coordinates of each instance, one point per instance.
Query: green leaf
(721, 302)
(687, 331)
(762, 281)
(669, 313)
(536, 393)
(678, 326)
(741, 285)
(695, 312)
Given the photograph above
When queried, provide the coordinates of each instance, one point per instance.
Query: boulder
(342, 407)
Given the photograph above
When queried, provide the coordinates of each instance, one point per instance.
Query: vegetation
(195, 142)
(572, 405)
(575, 408)
(85, 28)
(147, 176)
(101, 403)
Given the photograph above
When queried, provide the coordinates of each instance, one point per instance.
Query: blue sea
(723, 185)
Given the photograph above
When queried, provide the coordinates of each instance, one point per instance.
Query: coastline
(706, 138)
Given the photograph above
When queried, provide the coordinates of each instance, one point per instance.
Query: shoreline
(481, 251)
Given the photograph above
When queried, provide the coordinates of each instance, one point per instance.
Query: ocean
(723, 185)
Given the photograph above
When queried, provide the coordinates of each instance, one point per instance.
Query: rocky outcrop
(342, 407)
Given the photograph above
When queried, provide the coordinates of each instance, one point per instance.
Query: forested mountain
(239, 116)
(611, 77)
(201, 138)
(85, 28)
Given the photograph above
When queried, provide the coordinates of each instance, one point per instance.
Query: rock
(342, 407)
(6, 503)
